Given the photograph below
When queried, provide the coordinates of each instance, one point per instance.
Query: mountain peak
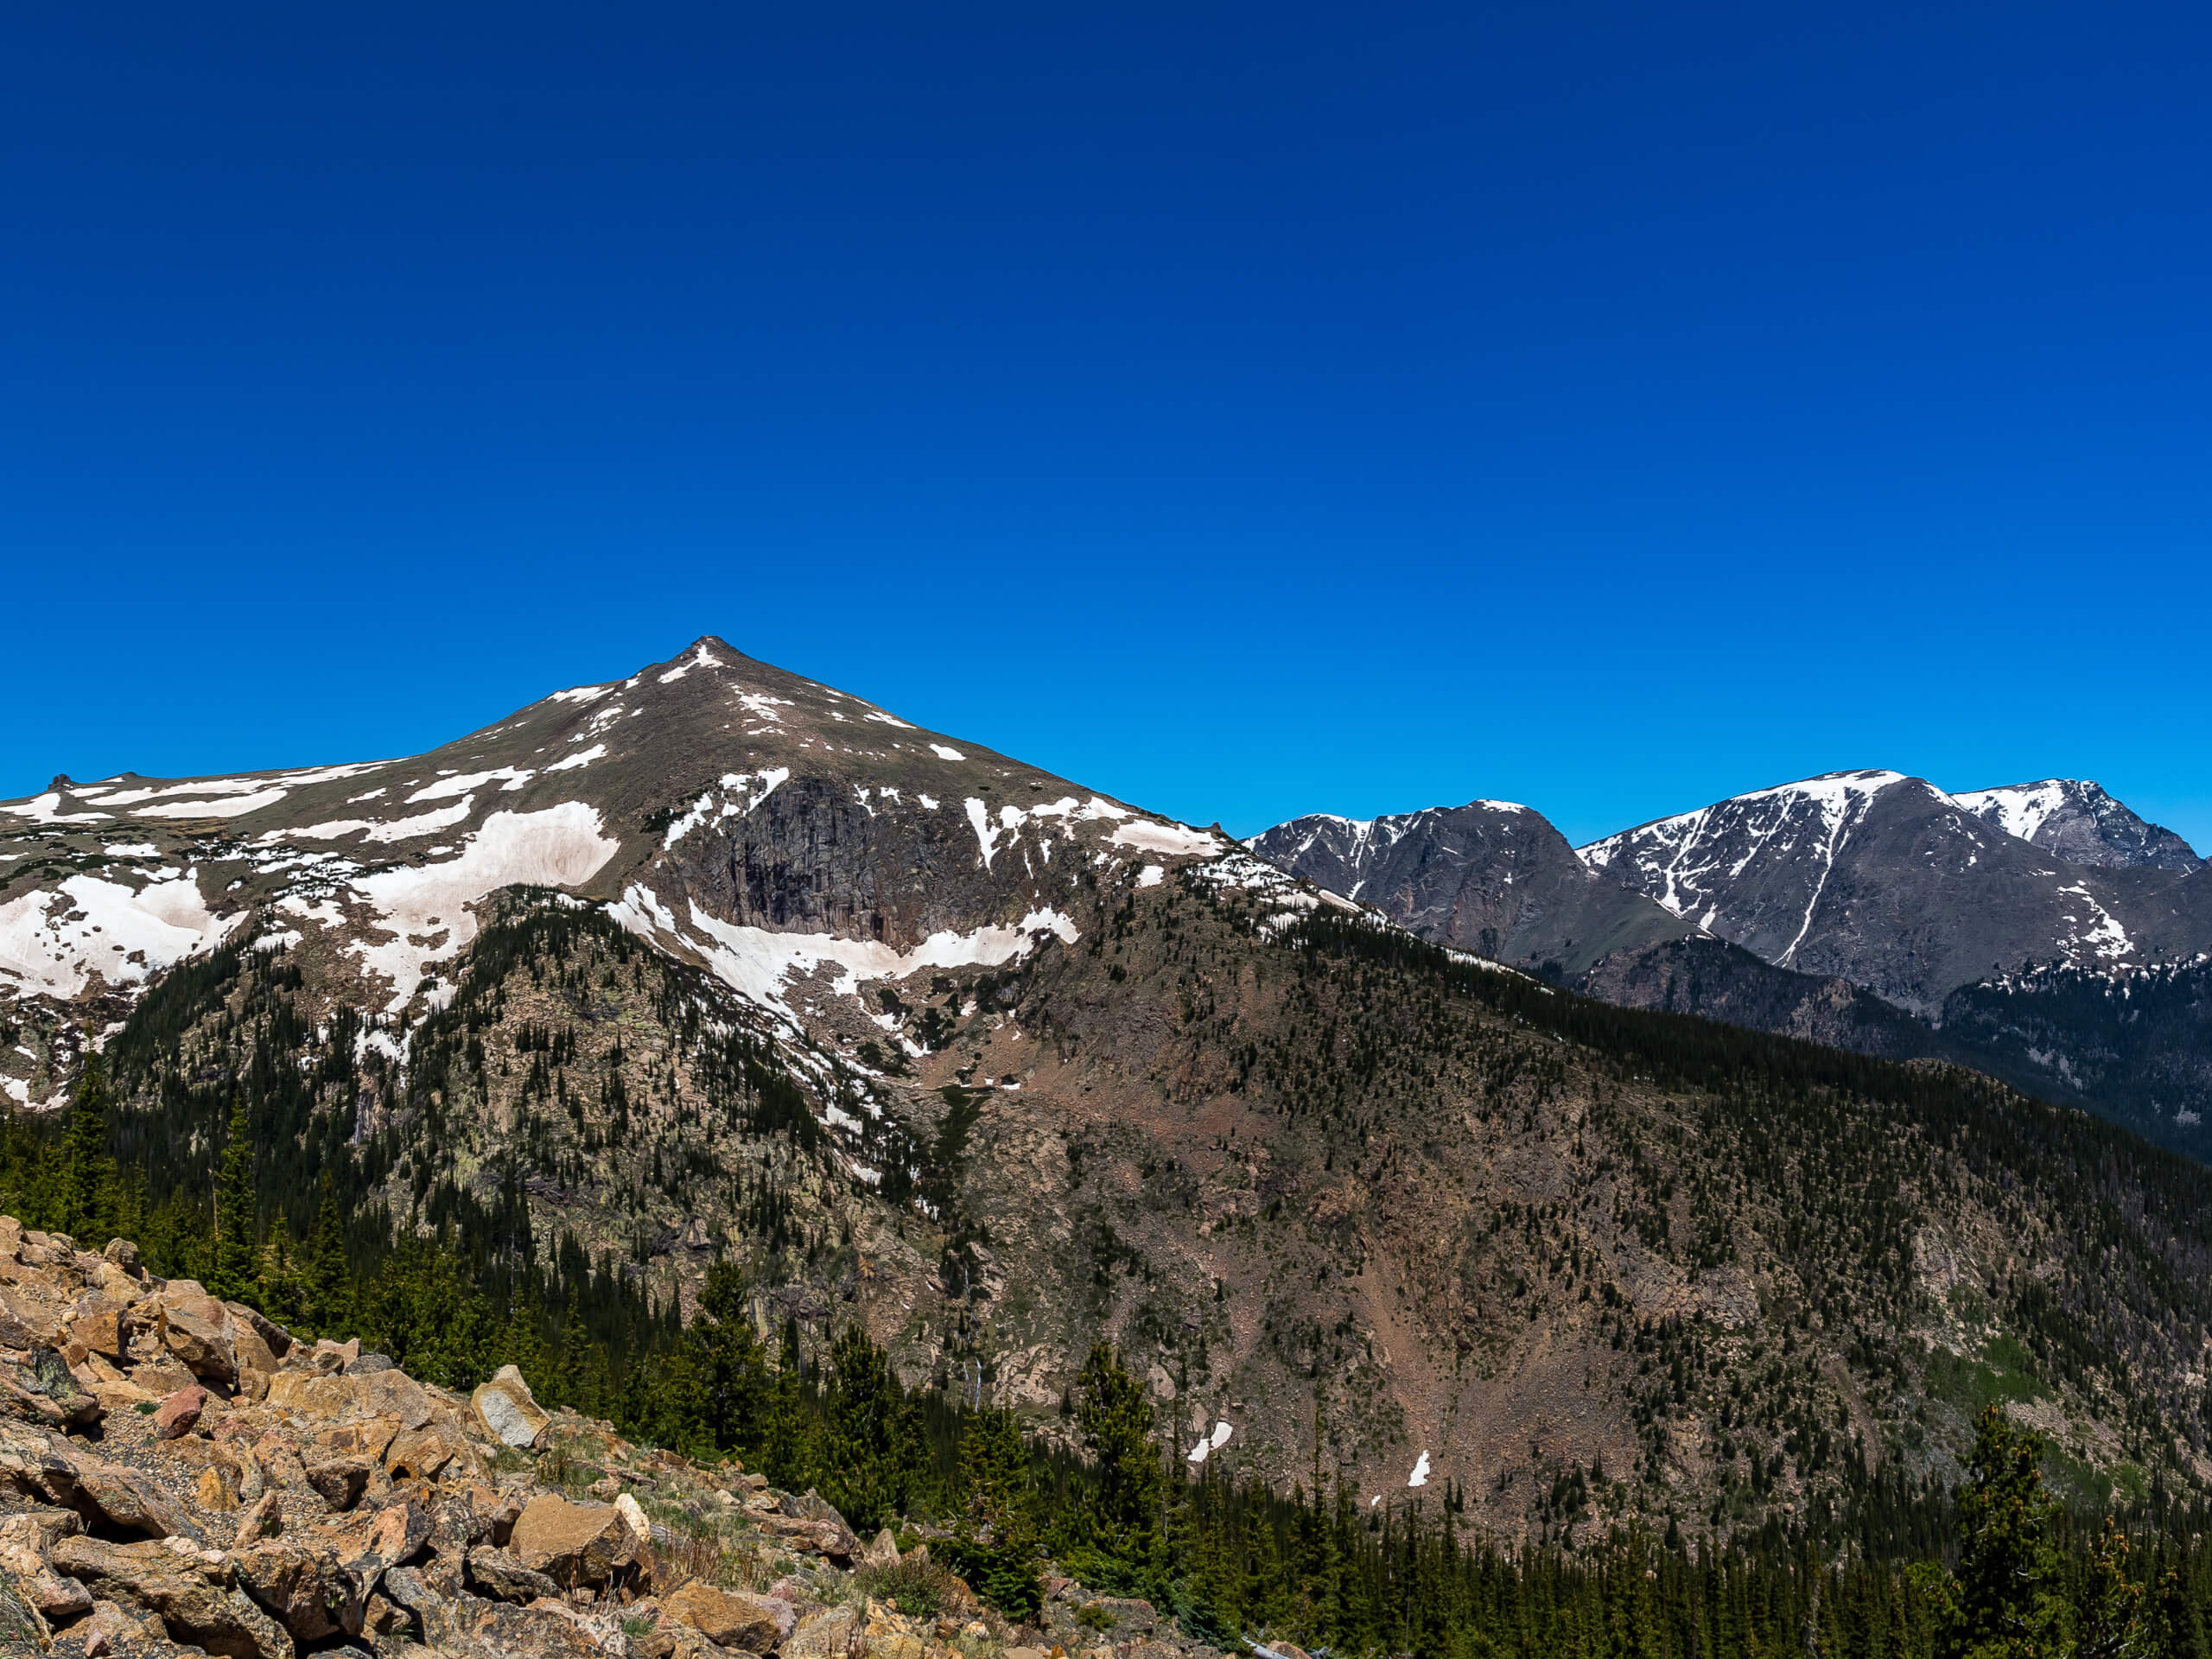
(2080, 820)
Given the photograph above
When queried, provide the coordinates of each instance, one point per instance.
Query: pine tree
(236, 1276)
(2007, 1606)
(870, 1445)
(570, 1368)
(521, 1344)
(326, 1278)
(1116, 1420)
(995, 1542)
(86, 1206)
(2112, 1605)
(786, 1451)
(283, 1287)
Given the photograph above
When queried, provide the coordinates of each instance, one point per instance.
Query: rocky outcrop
(254, 1496)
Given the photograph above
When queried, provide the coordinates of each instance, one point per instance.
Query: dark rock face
(1719, 980)
(2135, 1045)
(1489, 877)
(1886, 881)
(2082, 824)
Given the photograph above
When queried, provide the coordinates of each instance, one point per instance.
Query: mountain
(718, 963)
(1498, 880)
(1886, 881)
(1491, 877)
(2082, 824)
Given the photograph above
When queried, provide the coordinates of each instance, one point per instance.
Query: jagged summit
(1888, 881)
(1492, 877)
(2078, 820)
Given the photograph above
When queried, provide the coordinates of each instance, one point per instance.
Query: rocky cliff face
(2082, 824)
(178, 1475)
(1489, 877)
(1886, 881)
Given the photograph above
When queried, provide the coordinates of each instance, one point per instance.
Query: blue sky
(1248, 410)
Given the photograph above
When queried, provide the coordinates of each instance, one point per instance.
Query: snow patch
(581, 757)
(700, 657)
(1174, 839)
(446, 788)
(426, 911)
(946, 751)
(123, 934)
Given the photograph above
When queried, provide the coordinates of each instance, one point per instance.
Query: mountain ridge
(1001, 1066)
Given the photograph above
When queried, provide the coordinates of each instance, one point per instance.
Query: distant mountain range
(716, 962)
(1867, 909)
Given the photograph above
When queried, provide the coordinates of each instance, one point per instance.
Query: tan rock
(883, 1552)
(107, 1631)
(507, 1410)
(751, 1624)
(826, 1634)
(263, 1518)
(572, 1544)
(497, 1574)
(216, 1491)
(100, 1330)
(339, 1481)
(303, 1583)
(200, 1345)
(191, 1592)
(419, 1454)
(123, 1498)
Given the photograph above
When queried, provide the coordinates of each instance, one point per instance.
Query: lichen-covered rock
(509, 1412)
(301, 1583)
(495, 1572)
(189, 1590)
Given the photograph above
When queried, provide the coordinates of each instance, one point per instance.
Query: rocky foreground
(179, 1475)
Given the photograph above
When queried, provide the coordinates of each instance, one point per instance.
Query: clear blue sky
(1250, 410)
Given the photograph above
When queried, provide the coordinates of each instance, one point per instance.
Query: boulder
(496, 1573)
(108, 1632)
(200, 1345)
(507, 1410)
(341, 1481)
(883, 1552)
(180, 1413)
(108, 1494)
(265, 1518)
(750, 1623)
(572, 1544)
(827, 1634)
(303, 1584)
(419, 1454)
(23, 1545)
(189, 1590)
(101, 1329)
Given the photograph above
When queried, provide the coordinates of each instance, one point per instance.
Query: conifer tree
(86, 1198)
(236, 1273)
(283, 1287)
(786, 1451)
(995, 1540)
(521, 1343)
(2007, 1605)
(326, 1278)
(869, 1443)
(1116, 1420)
(2112, 1603)
(569, 1370)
